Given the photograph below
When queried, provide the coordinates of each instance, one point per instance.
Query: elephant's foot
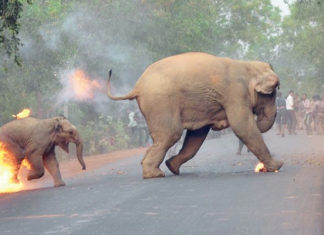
(173, 167)
(152, 173)
(34, 175)
(59, 184)
(273, 165)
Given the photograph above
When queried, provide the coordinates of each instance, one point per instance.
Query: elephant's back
(184, 75)
(17, 128)
(188, 70)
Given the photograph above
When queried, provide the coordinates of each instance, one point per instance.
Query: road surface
(216, 193)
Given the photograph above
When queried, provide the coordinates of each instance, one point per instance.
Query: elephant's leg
(36, 163)
(51, 164)
(14, 178)
(244, 126)
(163, 120)
(163, 138)
(16, 155)
(15, 170)
(156, 153)
(191, 145)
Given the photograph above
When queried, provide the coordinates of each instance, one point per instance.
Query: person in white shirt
(132, 125)
(291, 116)
(132, 121)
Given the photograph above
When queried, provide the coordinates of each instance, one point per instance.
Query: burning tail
(131, 95)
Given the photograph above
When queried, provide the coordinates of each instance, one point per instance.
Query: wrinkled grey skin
(198, 92)
(35, 139)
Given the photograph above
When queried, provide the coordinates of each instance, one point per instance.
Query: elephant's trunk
(267, 121)
(79, 150)
(267, 114)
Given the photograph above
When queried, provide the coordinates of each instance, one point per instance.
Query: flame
(24, 113)
(25, 163)
(83, 87)
(6, 172)
(259, 167)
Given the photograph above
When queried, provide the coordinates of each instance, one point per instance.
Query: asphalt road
(216, 193)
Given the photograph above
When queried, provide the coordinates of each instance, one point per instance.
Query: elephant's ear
(266, 82)
(58, 127)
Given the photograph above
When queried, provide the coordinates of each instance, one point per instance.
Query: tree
(10, 12)
(301, 47)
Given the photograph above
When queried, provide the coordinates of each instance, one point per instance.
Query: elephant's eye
(71, 132)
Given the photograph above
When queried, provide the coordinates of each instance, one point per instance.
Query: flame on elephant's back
(23, 114)
(83, 87)
(6, 172)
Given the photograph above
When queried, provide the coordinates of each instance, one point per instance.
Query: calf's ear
(57, 125)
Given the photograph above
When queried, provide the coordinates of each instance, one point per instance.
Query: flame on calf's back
(24, 113)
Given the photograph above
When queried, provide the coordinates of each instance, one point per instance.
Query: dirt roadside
(71, 168)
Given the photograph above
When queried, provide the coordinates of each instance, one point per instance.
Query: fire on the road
(83, 87)
(260, 168)
(24, 113)
(6, 172)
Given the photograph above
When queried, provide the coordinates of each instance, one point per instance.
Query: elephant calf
(198, 92)
(35, 139)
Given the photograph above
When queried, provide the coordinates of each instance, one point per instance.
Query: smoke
(97, 44)
(78, 86)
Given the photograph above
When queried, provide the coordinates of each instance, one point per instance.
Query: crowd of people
(299, 113)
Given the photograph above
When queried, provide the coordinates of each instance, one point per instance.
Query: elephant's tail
(131, 95)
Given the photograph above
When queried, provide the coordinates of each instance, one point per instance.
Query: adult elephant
(35, 139)
(198, 92)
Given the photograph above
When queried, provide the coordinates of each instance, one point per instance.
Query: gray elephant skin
(35, 139)
(198, 92)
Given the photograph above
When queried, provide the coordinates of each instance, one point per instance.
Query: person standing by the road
(291, 116)
(300, 115)
(281, 114)
(132, 125)
(320, 116)
(308, 114)
(314, 110)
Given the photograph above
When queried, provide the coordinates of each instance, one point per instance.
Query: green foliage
(302, 47)
(10, 12)
(104, 135)
(128, 35)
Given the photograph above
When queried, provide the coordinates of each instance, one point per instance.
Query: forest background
(60, 38)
